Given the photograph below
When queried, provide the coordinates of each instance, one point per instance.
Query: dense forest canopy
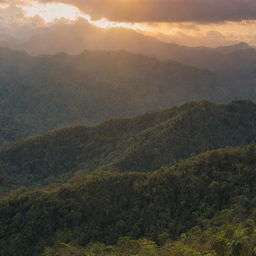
(141, 144)
(210, 192)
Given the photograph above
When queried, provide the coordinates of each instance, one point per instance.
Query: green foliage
(144, 143)
(211, 241)
(124, 247)
(208, 191)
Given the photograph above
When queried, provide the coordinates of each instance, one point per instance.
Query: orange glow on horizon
(189, 34)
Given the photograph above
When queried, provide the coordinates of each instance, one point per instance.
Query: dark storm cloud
(203, 11)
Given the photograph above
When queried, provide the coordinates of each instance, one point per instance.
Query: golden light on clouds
(184, 33)
(52, 11)
(104, 23)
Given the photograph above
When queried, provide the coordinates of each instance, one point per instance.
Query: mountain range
(115, 143)
(41, 93)
(85, 36)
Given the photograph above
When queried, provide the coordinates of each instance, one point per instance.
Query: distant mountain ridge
(85, 36)
(234, 47)
(38, 94)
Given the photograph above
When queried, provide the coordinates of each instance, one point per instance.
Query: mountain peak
(234, 47)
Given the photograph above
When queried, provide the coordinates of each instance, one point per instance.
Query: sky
(188, 22)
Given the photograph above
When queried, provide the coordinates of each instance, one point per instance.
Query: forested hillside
(128, 128)
(233, 235)
(38, 94)
(103, 207)
(142, 144)
(212, 194)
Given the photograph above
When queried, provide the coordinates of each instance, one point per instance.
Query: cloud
(14, 2)
(18, 27)
(15, 25)
(202, 11)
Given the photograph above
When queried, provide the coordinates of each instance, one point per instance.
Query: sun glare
(50, 12)
(104, 23)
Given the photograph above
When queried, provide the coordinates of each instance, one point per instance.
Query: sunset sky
(188, 22)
